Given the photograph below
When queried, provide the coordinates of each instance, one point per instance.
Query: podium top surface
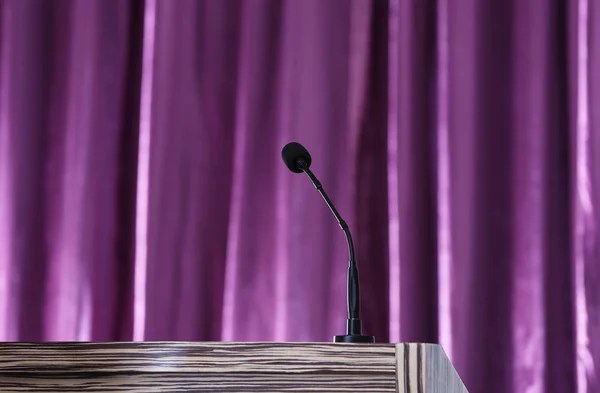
(226, 367)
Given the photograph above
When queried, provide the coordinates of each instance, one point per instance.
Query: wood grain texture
(196, 367)
(226, 367)
(424, 368)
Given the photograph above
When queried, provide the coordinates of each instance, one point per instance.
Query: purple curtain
(142, 194)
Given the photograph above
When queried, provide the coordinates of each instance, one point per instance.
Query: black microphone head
(292, 154)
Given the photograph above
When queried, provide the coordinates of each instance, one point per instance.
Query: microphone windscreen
(292, 153)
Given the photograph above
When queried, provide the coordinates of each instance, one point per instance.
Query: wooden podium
(226, 367)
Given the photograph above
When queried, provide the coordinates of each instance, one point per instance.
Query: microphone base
(353, 339)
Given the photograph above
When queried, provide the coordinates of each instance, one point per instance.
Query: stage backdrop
(143, 197)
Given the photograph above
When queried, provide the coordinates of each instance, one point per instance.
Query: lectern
(144, 367)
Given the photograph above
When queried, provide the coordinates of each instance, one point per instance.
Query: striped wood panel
(424, 368)
(197, 367)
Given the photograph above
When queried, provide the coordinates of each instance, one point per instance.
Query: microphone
(298, 160)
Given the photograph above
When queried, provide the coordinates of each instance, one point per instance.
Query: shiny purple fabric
(142, 194)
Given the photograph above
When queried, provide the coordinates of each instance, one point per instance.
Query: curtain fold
(65, 88)
(142, 194)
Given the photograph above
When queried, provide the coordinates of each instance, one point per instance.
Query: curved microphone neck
(338, 217)
(354, 324)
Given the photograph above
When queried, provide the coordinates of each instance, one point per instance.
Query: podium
(144, 367)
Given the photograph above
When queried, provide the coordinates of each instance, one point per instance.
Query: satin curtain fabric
(142, 196)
